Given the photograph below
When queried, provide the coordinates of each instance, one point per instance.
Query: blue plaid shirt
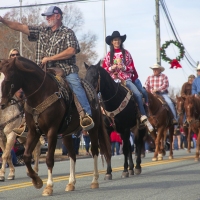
(50, 43)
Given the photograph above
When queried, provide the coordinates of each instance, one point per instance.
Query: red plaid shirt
(159, 83)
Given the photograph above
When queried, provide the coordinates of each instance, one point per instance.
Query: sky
(135, 18)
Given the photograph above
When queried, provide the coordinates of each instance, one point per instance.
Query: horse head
(12, 78)
(189, 106)
(92, 75)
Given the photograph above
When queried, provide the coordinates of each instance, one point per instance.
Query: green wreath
(176, 43)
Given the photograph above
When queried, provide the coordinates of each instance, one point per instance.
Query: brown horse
(161, 120)
(181, 111)
(192, 109)
(47, 112)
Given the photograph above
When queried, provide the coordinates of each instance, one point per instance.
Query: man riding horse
(158, 83)
(56, 47)
(196, 83)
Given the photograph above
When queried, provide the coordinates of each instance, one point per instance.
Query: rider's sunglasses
(16, 54)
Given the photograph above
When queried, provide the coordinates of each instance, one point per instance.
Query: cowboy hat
(198, 67)
(157, 66)
(115, 34)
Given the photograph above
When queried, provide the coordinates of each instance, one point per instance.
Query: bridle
(26, 97)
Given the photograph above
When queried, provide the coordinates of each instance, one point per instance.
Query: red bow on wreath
(175, 63)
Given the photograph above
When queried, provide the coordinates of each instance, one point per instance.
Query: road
(168, 179)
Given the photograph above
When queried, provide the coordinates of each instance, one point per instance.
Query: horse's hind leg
(68, 142)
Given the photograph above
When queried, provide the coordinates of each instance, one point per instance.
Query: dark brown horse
(192, 110)
(181, 112)
(121, 108)
(161, 120)
(47, 112)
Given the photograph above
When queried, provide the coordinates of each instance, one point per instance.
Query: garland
(173, 62)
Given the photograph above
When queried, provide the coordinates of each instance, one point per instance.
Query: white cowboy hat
(157, 66)
(198, 67)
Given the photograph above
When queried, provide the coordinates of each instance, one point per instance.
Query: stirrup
(86, 122)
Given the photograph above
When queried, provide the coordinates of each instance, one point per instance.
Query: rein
(24, 98)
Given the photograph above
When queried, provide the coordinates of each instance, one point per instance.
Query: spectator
(76, 143)
(146, 145)
(183, 139)
(87, 143)
(132, 142)
(194, 140)
(115, 140)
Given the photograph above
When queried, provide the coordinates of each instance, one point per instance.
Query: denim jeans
(194, 143)
(115, 145)
(75, 85)
(137, 96)
(170, 104)
(138, 84)
(14, 157)
(87, 142)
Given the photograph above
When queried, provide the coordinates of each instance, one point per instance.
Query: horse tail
(104, 141)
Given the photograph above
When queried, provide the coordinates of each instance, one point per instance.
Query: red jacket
(115, 137)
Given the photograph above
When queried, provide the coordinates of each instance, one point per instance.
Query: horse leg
(36, 155)
(126, 144)
(68, 142)
(171, 133)
(52, 140)
(6, 157)
(32, 139)
(189, 139)
(197, 147)
(155, 137)
(139, 141)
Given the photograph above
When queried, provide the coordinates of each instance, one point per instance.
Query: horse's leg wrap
(95, 183)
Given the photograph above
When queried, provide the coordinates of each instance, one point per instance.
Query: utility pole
(20, 33)
(157, 23)
(104, 27)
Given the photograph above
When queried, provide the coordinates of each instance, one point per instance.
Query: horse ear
(86, 65)
(99, 63)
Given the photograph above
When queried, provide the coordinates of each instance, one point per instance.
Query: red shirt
(115, 137)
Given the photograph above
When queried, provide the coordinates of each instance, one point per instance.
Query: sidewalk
(59, 157)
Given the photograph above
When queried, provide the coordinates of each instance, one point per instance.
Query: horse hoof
(125, 175)
(131, 172)
(196, 159)
(11, 177)
(108, 177)
(48, 191)
(171, 157)
(70, 187)
(160, 158)
(37, 182)
(2, 178)
(94, 185)
(138, 171)
(154, 159)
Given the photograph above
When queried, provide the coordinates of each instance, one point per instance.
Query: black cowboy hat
(115, 34)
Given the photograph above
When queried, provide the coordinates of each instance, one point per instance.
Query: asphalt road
(168, 179)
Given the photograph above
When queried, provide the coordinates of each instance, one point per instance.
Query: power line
(44, 4)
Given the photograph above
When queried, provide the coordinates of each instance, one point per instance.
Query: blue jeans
(170, 104)
(146, 144)
(115, 145)
(137, 96)
(138, 84)
(87, 142)
(14, 157)
(75, 85)
(194, 143)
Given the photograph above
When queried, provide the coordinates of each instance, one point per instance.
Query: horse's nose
(3, 106)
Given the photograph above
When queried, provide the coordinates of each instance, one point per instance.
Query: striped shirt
(159, 83)
(50, 43)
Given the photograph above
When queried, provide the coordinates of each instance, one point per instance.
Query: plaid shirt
(50, 43)
(159, 83)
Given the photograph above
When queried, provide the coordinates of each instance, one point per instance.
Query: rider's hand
(113, 67)
(45, 60)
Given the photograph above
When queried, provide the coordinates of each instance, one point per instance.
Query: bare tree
(72, 18)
